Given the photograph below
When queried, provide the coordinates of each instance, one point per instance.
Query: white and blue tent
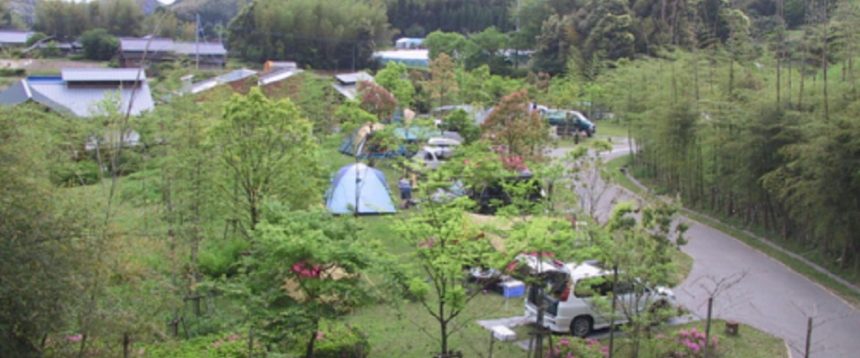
(369, 191)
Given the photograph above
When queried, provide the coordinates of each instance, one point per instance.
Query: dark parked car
(569, 122)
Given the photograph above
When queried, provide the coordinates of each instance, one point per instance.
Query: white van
(569, 291)
(432, 157)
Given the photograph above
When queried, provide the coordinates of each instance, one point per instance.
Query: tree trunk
(126, 345)
(309, 352)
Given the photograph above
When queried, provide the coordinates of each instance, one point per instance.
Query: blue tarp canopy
(373, 195)
(414, 133)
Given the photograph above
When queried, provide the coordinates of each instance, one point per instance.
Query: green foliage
(735, 147)
(85, 172)
(485, 48)
(321, 34)
(337, 340)
(351, 116)
(231, 345)
(443, 85)
(269, 151)
(461, 122)
(99, 44)
(305, 267)
(395, 79)
(221, 257)
(317, 101)
(39, 254)
(447, 243)
(449, 43)
(67, 20)
(512, 125)
(448, 15)
(12, 72)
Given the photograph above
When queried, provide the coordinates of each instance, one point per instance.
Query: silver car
(570, 290)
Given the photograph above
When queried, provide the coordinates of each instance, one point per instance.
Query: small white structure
(503, 333)
(408, 43)
(410, 57)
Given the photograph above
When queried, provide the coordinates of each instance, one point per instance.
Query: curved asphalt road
(766, 294)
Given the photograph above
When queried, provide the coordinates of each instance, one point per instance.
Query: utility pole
(197, 42)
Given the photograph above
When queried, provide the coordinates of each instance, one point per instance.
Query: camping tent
(373, 196)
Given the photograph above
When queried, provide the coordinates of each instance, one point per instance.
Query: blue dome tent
(372, 194)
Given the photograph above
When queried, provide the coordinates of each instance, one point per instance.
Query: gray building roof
(102, 75)
(11, 37)
(283, 64)
(135, 44)
(279, 74)
(353, 78)
(139, 44)
(228, 77)
(347, 83)
(56, 94)
(205, 48)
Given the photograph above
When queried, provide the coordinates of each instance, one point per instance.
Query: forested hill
(416, 18)
(211, 11)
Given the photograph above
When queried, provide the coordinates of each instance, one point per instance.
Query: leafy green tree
(639, 249)
(515, 127)
(395, 79)
(485, 48)
(351, 116)
(553, 45)
(449, 43)
(99, 44)
(445, 244)
(39, 267)
(62, 19)
(322, 34)
(119, 17)
(443, 85)
(461, 122)
(529, 16)
(415, 18)
(269, 151)
(306, 267)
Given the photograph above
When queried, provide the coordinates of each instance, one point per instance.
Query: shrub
(337, 340)
(690, 343)
(215, 346)
(142, 187)
(85, 172)
(461, 122)
(579, 348)
(221, 258)
(12, 72)
(99, 45)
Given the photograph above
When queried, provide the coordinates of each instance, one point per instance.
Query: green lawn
(610, 128)
(795, 264)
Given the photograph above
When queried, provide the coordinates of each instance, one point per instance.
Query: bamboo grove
(764, 134)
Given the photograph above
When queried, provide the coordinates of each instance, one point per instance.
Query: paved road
(768, 296)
